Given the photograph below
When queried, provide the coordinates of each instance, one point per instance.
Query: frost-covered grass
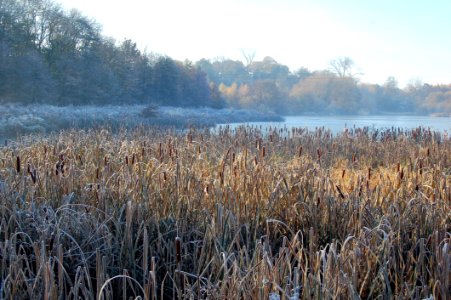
(231, 214)
(17, 120)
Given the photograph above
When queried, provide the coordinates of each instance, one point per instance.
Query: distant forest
(48, 55)
(268, 85)
(51, 56)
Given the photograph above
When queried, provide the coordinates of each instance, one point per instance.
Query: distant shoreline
(44, 119)
(18, 120)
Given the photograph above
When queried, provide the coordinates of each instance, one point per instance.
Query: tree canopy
(48, 55)
(58, 57)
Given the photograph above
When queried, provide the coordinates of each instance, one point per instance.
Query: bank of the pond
(42, 119)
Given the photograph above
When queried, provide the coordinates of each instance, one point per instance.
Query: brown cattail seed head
(33, 176)
(178, 250)
(18, 164)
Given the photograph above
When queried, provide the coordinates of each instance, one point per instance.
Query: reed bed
(231, 214)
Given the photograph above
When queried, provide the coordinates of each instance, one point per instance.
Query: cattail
(133, 159)
(18, 164)
(178, 250)
(339, 192)
(33, 176)
(300, 151)
(126, 160)
(428, 152)
(369, 173)
(398, 167)
(343, 173)
(221, 177)
(263, 151)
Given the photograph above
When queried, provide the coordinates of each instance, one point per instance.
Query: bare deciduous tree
(342, 66)
(249, 56)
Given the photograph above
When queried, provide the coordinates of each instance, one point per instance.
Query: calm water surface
(338, 123)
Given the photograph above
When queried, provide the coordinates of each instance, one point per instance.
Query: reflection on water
(338, 123)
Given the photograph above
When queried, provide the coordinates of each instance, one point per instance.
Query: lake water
(338, 123)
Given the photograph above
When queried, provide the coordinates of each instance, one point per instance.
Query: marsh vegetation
(293, 214)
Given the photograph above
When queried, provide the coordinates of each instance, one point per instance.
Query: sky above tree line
(408, 40)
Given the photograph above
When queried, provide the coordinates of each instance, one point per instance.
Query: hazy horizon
(406, 40)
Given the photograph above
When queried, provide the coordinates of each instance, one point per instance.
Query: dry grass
(155, 214)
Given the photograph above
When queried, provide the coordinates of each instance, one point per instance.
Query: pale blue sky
(405, 39)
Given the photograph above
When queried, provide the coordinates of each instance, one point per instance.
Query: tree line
(58, 57)
(268, 85)
(48, 55)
